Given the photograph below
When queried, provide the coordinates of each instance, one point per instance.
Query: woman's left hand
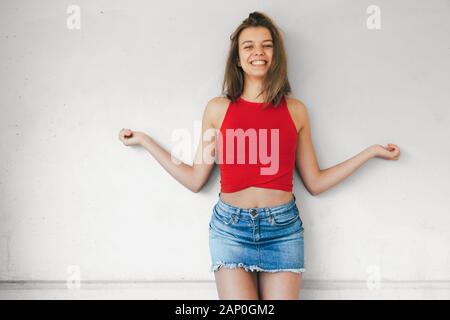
(390, 152)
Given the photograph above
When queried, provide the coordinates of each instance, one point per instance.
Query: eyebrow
(252, 41)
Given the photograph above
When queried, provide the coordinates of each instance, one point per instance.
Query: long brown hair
(275, 83)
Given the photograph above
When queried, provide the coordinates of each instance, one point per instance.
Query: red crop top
(256, 146)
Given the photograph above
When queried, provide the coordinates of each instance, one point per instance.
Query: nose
(259, 49)
(259, 52)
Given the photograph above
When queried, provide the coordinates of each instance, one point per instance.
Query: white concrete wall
(72, 195)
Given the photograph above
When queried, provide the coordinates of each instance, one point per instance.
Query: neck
(252, 87)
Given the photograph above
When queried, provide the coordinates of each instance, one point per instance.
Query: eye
(267, 46)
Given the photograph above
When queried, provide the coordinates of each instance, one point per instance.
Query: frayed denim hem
(251, 268)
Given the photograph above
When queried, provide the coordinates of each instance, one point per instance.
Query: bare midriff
(254, 197)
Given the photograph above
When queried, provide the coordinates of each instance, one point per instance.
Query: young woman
(255, 232)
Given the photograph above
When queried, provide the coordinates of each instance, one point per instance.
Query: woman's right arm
(192, 176)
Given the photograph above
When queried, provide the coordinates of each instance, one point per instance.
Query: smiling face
(255, 50)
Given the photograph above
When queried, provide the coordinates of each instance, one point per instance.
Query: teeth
(259, 62)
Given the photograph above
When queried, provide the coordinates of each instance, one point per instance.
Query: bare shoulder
(298, 111)
(216, 109)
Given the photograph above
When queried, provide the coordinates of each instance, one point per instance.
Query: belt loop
(269, 215)
(238, 212)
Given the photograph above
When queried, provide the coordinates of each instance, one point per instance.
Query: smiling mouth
(258, 63)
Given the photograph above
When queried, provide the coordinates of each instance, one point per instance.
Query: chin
(258, 74)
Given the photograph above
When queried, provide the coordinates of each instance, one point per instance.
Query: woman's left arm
(316, 180)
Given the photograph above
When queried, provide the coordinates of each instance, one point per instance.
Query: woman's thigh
(236, 284)
(279, 285)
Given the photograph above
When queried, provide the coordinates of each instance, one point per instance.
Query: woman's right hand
(131, 138)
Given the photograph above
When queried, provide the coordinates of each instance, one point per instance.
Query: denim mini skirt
(266, 239)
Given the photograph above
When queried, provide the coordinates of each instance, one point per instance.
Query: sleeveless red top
(256, 146)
